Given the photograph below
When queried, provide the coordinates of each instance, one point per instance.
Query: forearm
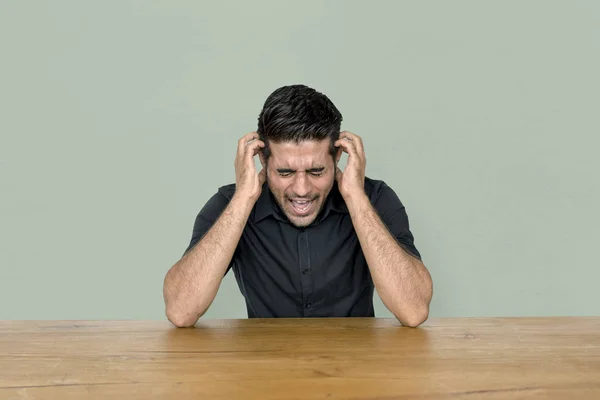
(191, 284)
(402, 281)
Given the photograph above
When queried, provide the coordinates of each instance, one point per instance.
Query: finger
(349, 136)
(244, 140)
(357, 140)
(248, 137)
(255, 146)
(347, 147)
(252, 149)
(338, 174)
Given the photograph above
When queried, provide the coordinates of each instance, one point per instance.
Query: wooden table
(510, 358)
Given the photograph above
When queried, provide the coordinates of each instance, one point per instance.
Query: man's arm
(402, 281)
(190, 286)
(192, 283)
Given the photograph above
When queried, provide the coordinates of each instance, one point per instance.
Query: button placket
(304, 265)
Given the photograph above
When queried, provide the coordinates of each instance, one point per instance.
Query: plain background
(119, 119)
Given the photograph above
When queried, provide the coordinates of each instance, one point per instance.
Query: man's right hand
(248, 181)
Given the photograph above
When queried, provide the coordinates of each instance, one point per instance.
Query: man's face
(300, 177)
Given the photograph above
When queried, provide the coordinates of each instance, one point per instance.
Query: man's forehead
(303, 153)
(313, 147)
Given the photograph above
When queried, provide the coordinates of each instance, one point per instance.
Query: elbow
(417, 320)
(419, 313)
(414, 318)
(178, 312)
(181, 319)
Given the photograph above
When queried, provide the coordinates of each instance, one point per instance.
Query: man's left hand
(351, 181)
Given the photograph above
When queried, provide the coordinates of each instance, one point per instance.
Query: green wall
(119, 119)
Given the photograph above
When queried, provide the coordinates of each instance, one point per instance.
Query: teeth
(302, 204)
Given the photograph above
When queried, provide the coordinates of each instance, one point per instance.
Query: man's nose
(301, 186)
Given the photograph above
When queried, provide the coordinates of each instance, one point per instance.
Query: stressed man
(304, 239)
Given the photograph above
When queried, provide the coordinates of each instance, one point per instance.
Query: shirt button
(305, 271)
(308, 305)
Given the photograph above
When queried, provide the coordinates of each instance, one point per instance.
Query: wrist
(357, 201)
(243, 202)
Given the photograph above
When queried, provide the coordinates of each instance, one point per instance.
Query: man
(304, 239)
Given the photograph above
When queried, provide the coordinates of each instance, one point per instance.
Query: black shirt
(316, 271)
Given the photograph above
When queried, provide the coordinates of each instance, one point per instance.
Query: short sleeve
(393, 214)
(206, 218)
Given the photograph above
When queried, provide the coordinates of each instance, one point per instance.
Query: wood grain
(351, 358)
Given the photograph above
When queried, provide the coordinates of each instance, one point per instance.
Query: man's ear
(338, 155)
(262, 158)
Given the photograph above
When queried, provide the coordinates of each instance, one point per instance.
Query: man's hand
(351, 182)
(248, 181)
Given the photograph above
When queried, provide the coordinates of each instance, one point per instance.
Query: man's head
(299, 127)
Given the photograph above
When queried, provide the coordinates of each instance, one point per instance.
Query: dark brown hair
(296, 113)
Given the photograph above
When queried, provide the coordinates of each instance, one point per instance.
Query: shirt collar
(266, 205)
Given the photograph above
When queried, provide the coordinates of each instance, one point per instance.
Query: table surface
(347, 358)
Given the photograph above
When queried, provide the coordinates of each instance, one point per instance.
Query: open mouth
(302, 207)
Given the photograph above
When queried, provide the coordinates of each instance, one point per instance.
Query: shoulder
(383, 198)
(226, 191)
(217, 202)
(377, 189)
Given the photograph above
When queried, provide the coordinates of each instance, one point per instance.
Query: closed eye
(313, 171)
(316, 171)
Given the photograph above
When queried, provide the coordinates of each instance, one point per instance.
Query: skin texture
(402, 281)
(191, 284)
(303, 171)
